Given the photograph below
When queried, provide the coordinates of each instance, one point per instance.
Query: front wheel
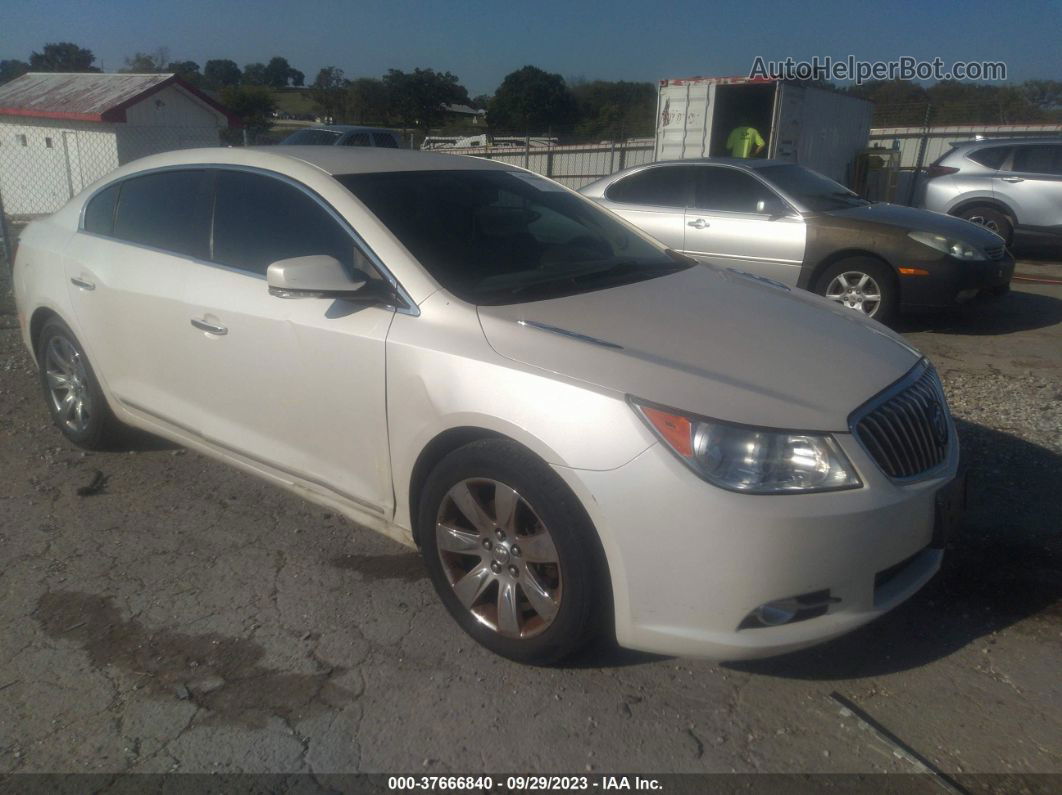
(511, 552)
(861, 283)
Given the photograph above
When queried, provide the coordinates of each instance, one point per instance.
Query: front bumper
(951, 281)
(690, 562)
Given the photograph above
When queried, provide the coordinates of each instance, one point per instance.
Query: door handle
(209, 328)
(1013, 179)
(700, 223)
(84, 285)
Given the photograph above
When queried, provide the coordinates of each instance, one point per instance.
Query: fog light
(774, 614)
(786, 611)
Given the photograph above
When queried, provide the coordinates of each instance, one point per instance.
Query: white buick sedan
(580, 429)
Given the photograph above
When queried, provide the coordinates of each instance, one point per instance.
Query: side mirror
(316, 276)
(773, 207)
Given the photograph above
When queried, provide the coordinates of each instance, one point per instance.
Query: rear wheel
(73, 393)
(511, 552)
(992, 219)
(864, 284)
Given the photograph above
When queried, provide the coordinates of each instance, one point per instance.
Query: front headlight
(751, 460)
(956, 248)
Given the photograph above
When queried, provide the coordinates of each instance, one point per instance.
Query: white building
(61, 132)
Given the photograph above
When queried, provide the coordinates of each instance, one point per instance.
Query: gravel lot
(189, 618)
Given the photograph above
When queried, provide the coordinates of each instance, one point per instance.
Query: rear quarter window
(991, 156)
(99, 213)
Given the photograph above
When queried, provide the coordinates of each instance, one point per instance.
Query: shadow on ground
(1002, 570)
(1016, 311)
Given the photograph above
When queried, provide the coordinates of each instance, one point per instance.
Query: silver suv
(1007, 185)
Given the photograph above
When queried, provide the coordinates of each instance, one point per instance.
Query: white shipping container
(820, 129)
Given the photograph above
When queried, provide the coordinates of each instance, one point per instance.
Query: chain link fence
(44, 163)
(917, 134)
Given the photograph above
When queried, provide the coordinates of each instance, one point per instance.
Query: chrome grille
(907, 432)
(995, 252)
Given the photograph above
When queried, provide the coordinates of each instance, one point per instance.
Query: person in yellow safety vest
(744, 141)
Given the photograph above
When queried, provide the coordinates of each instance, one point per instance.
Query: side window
(1045, 159)
(169, 210)
(665, 187)
(358, 139)
(385, 140)
(728, 190)
(259, 220)
(991, 157)
(313, 138)
(99, 214)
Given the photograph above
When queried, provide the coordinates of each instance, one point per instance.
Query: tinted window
(99, 214)
(1045, 159)
(358, 139)
(496, 237)
(728, 190)
(313, 138)
(810, 189)
(259, 220)
(169, 210)
(667, 187)
(991, 157)
(386, 140)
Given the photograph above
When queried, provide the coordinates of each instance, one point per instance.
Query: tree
(417, 98)
(221, 72)
(278, 73)
(481, 101)
(617, 108)
(367, 101)
(9, 70)
(254, 74)
(328, 91)
(1044, 94)
(252, 104)
(63, 56)
(187, 71)
(531, 100)
(146, 62)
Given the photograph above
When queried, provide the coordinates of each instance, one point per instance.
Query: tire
(851, 282)
(990, 218)
(71, 389)
(543, 563)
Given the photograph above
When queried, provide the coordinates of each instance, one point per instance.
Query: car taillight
(939, 171)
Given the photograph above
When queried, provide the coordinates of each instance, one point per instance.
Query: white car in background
(577, 427)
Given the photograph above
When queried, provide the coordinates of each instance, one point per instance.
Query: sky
(481, 42)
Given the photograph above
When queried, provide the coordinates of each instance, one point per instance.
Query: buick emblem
(938, 423)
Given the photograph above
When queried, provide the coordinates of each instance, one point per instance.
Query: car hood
(713, 342)
(914, 219)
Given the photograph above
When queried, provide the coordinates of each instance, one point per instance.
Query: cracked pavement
(190, 618)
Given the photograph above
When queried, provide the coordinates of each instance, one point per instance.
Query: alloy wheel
(987, 223)
(68, 384)
(499, 558)
(856, 290)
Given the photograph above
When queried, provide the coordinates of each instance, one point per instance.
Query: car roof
(331, 160)
(348, 128)
(1005, 142)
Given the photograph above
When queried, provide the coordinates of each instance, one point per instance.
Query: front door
(296, 384)
(734, 220)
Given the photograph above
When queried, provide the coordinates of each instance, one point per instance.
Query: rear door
(654, 200)
(730, 223)
(128, 268)
(297, 384)
(1031, 184)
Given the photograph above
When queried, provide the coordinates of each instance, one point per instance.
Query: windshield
(504, 237)
(810, 189)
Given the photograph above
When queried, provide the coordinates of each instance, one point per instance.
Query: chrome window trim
(913, 375)
(410, 308)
